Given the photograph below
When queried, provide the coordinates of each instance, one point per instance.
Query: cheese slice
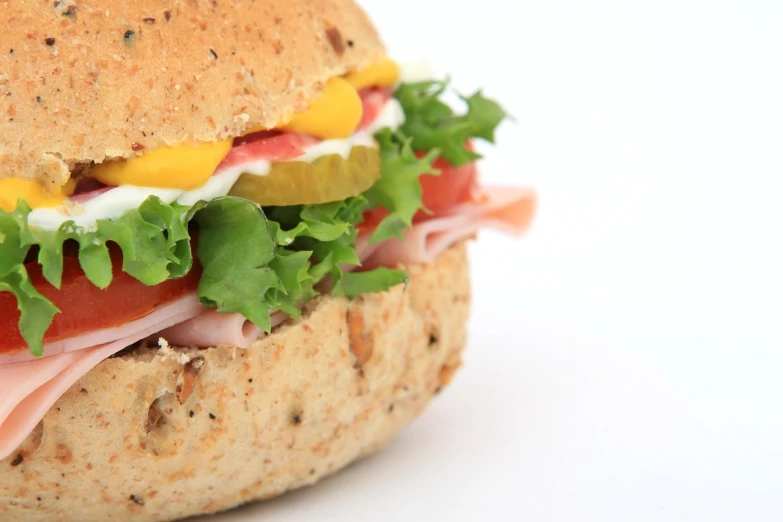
(335, 115)
(181, 167)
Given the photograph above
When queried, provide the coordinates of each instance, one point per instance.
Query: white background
(626, 357)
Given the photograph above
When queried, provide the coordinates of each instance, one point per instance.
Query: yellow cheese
(333, 116)
(182, 167)
(35, 194)
(383, 74)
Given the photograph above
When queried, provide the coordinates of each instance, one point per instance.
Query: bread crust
(86, 80)
(144, 438)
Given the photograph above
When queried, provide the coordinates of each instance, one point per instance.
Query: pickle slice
(328, 178)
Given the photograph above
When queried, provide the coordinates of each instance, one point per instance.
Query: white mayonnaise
(117, 201)
(220, 184)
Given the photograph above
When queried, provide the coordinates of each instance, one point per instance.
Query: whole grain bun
(86, 80)
(151, 437)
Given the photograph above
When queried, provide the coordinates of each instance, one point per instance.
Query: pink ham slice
(29, 389)
(509, 209)
(373, 102)
(214, 329)
(266, 145)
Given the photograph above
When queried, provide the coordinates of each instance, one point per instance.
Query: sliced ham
(214, 329)
(29, 389)
(89, 196)
(509, 209)
(20, 380)
(268, 146)
(374, 100)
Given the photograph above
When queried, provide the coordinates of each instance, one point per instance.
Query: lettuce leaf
(431, 124)
(37, 311)
(378, 280)
(325, 234)
(398, 190)
(298, 229)
(235, 248)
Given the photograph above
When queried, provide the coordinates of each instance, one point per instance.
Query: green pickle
(328, 178)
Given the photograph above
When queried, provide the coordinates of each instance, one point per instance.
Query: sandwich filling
(218, 243)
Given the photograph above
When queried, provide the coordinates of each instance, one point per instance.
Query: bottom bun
(154, 435)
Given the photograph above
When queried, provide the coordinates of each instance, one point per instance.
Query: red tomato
(453, 186)
(86, 308)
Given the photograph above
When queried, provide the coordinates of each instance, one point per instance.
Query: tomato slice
(86, 308)
(443, 192)
(440, 193)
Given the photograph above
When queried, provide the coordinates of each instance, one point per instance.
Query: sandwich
(232, 250)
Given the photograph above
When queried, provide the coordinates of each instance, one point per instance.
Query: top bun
(86, 80)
